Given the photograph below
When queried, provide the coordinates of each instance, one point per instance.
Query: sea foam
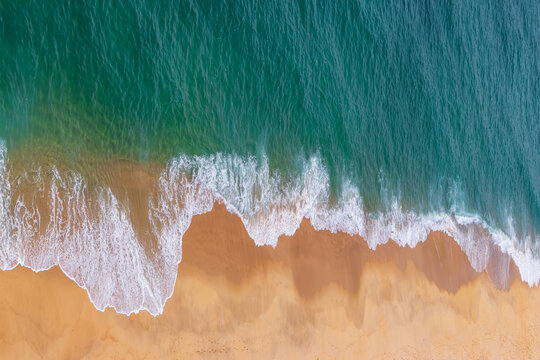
(89, 233)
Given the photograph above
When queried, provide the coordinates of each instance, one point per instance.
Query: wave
(49, 217)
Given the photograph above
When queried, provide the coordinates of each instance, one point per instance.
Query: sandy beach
(316, 295)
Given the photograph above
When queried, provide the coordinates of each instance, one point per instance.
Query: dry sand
(315, 296)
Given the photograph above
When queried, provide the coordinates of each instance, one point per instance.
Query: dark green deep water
(434, 104)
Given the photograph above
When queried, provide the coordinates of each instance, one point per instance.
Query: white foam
(270, 207)
(8, 250)
(89, 233)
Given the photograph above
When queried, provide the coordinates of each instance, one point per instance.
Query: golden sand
(315, 296)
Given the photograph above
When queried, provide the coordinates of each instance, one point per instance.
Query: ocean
(120, 121)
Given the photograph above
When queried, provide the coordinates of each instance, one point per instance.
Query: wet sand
(316, 295)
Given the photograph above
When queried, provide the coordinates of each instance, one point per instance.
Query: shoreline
(314, 294)
(149, 208)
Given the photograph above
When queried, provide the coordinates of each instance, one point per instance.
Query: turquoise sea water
(431, 107)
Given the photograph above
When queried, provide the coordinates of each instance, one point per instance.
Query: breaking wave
(50, 217)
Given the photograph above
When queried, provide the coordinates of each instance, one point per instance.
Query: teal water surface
(432, 104)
